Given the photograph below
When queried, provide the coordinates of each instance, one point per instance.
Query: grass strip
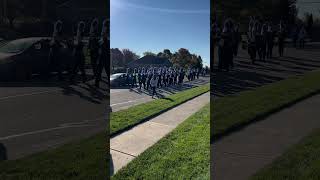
(82, 160)
(234, 112)
(127, 118)
(182, 154)
(302, 161)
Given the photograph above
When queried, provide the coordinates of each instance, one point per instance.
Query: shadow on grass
(169, 99)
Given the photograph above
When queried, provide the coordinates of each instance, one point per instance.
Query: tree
(160, 54)
(182, 57)
(149, 53)
(117, 58)
(165, 54)
(129, 56)
(199, 62)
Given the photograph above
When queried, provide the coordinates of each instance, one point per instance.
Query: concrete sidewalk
(243, 153)
(128, 145)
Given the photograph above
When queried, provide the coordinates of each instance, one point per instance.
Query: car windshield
(115, 76)
(17, 46)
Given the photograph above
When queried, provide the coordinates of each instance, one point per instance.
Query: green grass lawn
(233, 112)
(183, 154)
(129, 117)
(302, 161)
(81, 160)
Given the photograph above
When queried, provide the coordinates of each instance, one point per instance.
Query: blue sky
(154, 25)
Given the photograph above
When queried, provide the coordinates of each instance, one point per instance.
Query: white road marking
(43, 131)
(101, 119)
(28, 94)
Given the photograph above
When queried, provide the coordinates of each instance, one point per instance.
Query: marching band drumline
(97, 46)
(260, 40)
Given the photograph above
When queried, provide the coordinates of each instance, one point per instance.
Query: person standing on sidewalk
(153, 84)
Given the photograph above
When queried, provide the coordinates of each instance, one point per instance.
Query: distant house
(148, 61)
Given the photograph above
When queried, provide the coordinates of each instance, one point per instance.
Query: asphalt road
(37, 115)
(126, 97)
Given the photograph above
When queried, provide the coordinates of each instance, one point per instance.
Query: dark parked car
(21, 58)
(117, 80)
